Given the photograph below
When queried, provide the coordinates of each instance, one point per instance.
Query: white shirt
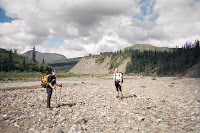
(118, 76)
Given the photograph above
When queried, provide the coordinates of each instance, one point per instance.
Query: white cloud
(88, 26)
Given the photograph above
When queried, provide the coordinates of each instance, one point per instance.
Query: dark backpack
(122, 76)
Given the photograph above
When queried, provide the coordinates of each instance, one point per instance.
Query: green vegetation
(64, 65)
(147, 47)
(100, 59)
(29, 75)
(11, 62)
(63, 74)
(20, 75)
(117, 58)
(170, 62)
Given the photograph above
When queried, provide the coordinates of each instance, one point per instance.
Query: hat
(53, 71)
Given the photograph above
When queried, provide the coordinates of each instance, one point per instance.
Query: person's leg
(117, 88)
(120, 89)
(49, 93)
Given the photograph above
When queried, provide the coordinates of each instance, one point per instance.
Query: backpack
(122, 76)
(44, 81)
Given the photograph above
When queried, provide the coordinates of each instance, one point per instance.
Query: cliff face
(91, 66)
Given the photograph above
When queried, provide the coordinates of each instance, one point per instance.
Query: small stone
(113, 120)
(31, 130)
(136, 128)
(73, 129)
(158, 120)
(141, 118)
(16, 125)
(81, 121)
(57, 130)
(50, 126)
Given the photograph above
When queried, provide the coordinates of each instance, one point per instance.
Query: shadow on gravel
(129, 96)
(68, 104)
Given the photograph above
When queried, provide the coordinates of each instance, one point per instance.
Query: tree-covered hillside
(164, 62)
(64, 64)
(10, 62)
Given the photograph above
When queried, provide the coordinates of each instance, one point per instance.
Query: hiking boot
(121, 97)
(50, 108)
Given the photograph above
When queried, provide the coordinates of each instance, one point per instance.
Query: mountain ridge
(48, 57)
(143, 47)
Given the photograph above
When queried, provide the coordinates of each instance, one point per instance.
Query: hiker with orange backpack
(49, 85)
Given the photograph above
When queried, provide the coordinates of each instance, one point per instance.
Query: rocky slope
(90, 66)
(194, 71)
(153, 105)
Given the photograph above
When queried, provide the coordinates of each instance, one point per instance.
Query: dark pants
(118, 87)
(49, 93)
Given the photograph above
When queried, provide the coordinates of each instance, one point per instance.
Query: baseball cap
(54, 71)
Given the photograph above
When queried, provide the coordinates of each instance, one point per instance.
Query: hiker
(117, 81)
(50, 87)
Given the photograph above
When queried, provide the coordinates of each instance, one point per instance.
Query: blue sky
(4, 18)
(53, 42)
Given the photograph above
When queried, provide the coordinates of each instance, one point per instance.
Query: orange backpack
(44, 81)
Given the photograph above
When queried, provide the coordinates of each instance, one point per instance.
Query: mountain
(147, 47)
(10, 61)
(48, 57)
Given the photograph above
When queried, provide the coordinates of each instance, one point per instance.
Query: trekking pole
(60, 97)
(56, 97)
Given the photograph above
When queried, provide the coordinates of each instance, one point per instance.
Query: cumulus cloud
(88, 26)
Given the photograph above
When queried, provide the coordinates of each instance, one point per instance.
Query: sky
(82, 27)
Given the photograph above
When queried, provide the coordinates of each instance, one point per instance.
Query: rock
(81, 121)
(45, 131)
(73, 129)
(136, 128)
(16, 125)
(113, 120)
(141, 118)
(57, 130)
(50, 126)
(158, 120)
(31, 130)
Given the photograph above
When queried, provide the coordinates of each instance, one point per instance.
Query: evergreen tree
(33, 55)
(24, 65)
(10, 62)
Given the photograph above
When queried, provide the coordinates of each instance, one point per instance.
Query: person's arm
(120, 79)
(114, 80)
(50, 84)
(58, 85)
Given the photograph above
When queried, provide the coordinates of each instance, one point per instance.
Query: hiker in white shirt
(117, 81)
